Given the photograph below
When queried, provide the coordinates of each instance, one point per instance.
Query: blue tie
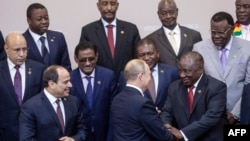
(89, 92)
(45, 53)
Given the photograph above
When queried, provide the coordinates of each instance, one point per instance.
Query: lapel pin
(162, 71)
(185, 35)
(199, 91)
(29, 71)
(65, 99)
(122, 32)
(99, 82)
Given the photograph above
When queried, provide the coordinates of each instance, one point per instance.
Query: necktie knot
(109, 26)
(42, 39)
(88, 78)
(171, 33)
(58, 102)
(191, 88)
(17, 67)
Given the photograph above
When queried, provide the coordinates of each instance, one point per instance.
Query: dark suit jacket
(167, 74)
(245, 105)
(136, 119)
(167, 55)
(127, 36)
(2, 51)
(9, 107)
(57, 48)
(104, 91)
(205, 123)
(39, 121)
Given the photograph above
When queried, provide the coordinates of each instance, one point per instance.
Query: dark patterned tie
(89, 92)
(111, 39)
(18, 85)
(45, 53)
(59, 114)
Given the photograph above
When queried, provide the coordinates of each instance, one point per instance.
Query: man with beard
(115, 39)
(227, 58)
(45, 46)
(172, 39)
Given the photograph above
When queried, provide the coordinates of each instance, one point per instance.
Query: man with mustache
(115, 39)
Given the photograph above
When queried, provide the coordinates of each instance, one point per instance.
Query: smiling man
(227, 58)
(96, 102)
(196, 104)
(172, 39)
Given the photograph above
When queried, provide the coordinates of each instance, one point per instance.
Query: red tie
(151, 88)
(190, 98)
(111, 39)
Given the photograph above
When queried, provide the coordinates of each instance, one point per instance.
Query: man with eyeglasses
(242, 25)
(20, 79)
(95, 87)
(227, 58)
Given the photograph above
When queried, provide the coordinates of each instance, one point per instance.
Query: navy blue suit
(2, 51)
(245, 105)
(127, 36)
(167, 74)
(9, 107)
(58, 49)
(205, 122)
(39, 121)
(136, 119)
(104, 91)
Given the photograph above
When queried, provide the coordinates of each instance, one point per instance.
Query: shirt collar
(12, 65)
(36, 36)
(229, 44)
(83, 75)
(133, 86)
(175, 30)
(51, 98)
(106, 23)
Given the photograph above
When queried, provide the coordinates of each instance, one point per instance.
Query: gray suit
(237, 70)
(167, 55)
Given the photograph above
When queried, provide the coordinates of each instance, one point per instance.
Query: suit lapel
(67, 113)
(51, 110)
(28, 82)
(8, 81)
(199, 91)
(213, 52)
(98, 82)
(162, 39)
(53, 49)
(120, 34)
(32, 47)
(79, 85)
(184, 99)
(161, 78)
(184, 39)
(232, 57)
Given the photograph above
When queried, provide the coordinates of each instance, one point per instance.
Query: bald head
(162, 3)
(16, 48)
(137, 73)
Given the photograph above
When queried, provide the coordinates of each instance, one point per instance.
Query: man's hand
(177, 134)
(231, 118)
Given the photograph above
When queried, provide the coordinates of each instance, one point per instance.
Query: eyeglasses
(18, 50)
(84, 60)
(220, 33)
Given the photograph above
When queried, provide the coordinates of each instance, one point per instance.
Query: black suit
(167, 55)
(136, 119)
(127, 36)
(245, 105)
(9, 106)
(205, 123)
(2, 51)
